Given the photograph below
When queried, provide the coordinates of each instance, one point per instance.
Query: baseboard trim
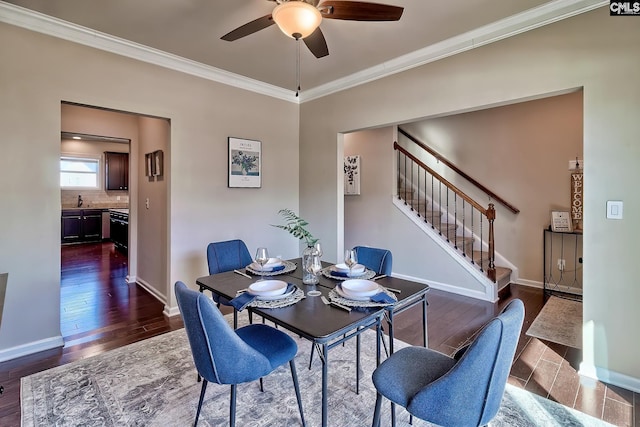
(153, 291)
(610, 377)
(30, 348)
(446, 287)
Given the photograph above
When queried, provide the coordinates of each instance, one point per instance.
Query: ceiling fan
(300, 19)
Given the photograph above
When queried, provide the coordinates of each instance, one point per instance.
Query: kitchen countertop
(122, 211)
(74, 208)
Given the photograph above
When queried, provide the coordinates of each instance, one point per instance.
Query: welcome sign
(577, 191)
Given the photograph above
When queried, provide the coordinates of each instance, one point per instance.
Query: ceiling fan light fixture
(297, 17)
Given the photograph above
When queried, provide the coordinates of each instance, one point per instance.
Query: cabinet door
(71, 227)
(92, 225)
(116, 171)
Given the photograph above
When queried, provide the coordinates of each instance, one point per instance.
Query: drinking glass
(314, 267)
(262, 256)
(350, 258)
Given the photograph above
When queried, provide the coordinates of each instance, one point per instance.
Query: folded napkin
(256, 267)
(242, 300)
(383, 298)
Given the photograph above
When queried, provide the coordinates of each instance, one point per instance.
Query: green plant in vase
(296, 226)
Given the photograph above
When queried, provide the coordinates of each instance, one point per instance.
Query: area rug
(559, 321)
(153, 383)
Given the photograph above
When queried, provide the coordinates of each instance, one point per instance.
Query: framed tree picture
(352, 175)
(245, 163)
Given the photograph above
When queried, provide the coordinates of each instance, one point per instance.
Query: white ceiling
(191, 29)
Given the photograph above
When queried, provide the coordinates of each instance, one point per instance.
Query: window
(76, 172)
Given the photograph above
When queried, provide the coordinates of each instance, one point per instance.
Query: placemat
(278, 303)
(288, 268)
(368, 274)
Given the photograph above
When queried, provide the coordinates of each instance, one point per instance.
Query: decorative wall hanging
(245, 163)
(158, 163)
(148, 164)
(352, 175)
(577, 191)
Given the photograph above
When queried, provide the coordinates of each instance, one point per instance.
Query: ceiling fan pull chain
(297, 37)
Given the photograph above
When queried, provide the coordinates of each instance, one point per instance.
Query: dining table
(324, 325)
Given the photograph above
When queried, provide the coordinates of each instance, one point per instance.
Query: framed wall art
(352, 175)
(245, 163)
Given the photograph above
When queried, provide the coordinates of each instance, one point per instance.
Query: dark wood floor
(100, 311)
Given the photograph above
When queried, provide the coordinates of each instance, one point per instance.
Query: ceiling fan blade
(317, 44)
(249, 28)
(359, 11)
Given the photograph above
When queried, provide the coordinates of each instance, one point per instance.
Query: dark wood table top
(311, 318)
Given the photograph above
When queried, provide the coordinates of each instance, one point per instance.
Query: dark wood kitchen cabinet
(81, 225)
(116, 171)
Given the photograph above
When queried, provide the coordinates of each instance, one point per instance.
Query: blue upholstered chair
(227, 256)
(225, 356)
(378, 260)
(464, 390)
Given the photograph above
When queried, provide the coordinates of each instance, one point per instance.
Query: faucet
(79, 200)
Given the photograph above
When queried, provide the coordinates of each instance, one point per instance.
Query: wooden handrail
(439, 157)
(455, 189)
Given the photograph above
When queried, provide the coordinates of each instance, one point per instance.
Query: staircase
(462, 225)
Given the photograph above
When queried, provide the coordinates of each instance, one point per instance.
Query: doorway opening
(102, 179)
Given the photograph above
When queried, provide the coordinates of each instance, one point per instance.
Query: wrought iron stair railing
(462, 221)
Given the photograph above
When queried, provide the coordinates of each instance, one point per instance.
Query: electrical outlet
(561, 264)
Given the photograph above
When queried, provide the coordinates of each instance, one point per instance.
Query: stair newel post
(491, 216)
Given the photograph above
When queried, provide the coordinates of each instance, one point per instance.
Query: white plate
(276, 297)
(341, 292)
(360, 288)
(342, 268)
(268, 288)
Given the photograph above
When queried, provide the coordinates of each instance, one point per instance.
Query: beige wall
(592, 51)
(521, 152)
(152, 219)
(37, 73)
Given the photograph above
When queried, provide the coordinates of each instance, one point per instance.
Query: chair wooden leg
(294, 375)
(376, 412)
(235, 319)
(232, 409)
(261, 385)
(202, 391)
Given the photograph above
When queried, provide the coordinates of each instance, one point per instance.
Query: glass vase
(308, 278)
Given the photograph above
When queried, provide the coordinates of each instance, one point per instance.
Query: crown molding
(45, 24)
(531, 19)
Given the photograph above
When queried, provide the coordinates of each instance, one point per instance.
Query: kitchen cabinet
(81, 225)
(116, 171)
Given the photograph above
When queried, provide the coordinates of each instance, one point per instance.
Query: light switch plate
(614, 209)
